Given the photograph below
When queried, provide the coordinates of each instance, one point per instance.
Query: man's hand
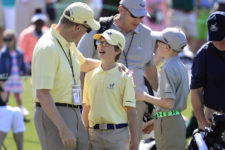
(67, 137)
(148, 127)
(122, 67)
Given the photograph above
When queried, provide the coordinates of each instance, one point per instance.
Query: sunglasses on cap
(7, 39)
(132, 14)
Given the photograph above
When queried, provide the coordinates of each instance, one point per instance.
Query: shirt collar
(137, 30)
(59, 37)
(100, 70)
(172, 58)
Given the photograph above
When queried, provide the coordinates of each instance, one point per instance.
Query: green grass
(31, 141)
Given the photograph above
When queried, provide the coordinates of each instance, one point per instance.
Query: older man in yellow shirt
(56, 66)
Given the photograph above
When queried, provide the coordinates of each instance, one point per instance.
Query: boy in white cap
(56, 66)
(109, 98)
(169, 125)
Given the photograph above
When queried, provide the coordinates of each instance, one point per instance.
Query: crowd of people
(96, 79)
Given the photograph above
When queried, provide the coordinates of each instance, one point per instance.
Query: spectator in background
(208, 72)
(29, 37)
(24, 12)
(10, 117)
(50, 9)
(12, 64)
(156, 19)
(1, 24)
(181, 14)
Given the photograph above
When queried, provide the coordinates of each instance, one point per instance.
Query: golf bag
(210, 138)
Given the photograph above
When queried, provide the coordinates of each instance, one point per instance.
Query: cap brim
(156, 35)
(138, 12)
(94, 25)
(97, 36)
(107, 38)
(215, 36)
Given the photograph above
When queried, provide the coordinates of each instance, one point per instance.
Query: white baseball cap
(113, 37)
(81, 13)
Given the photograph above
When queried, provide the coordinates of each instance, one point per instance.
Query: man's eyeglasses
(103, 43)
(7, 39)
(132, 14)
(88, 29)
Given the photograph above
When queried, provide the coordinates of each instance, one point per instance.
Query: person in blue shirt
(12, 64)
(208, 72)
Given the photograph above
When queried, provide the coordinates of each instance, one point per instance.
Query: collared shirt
(140, 52)
(108, 92)
(174, 83)
(51, 69)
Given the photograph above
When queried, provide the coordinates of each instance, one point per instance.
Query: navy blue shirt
(208, 71)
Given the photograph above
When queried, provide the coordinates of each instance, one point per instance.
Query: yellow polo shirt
(108, 93)
(51, 69)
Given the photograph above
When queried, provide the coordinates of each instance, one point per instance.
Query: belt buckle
(102, 126)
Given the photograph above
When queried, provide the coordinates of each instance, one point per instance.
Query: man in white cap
(56, 66)
(108, 125)
(138, 52)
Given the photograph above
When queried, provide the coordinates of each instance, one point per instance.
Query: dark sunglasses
(87, 28)
(7, 39)
(132, 14)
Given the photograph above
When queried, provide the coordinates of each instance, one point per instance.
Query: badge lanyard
(69, 61)
(126, 54)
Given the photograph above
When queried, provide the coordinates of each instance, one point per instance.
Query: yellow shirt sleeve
(78, 54)
(129, 93)
(44, 69)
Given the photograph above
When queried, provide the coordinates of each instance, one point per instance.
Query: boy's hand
(140, 95)
(148, 127)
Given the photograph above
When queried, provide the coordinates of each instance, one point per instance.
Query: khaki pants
(115, 139)
(48, 132)
(170, 133)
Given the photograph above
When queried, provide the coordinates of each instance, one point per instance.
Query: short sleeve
(129, 93)
(78, 54)
(198, 71)
(44, 68)
(167, 88)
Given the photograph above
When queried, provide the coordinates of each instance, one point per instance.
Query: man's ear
(120, 9)
(77, 27)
